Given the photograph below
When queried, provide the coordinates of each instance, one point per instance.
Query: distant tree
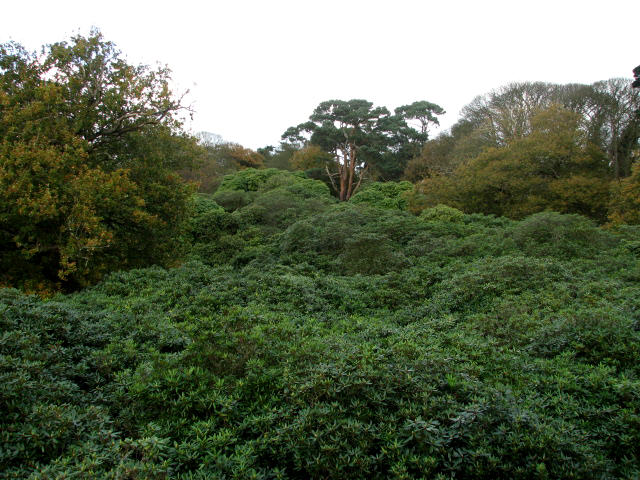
(310, 157)
(434, 159)
(505, 113)
(408, 130)
(554, 167)
(237, 157)
(345, 129)
(278, 157)
(220, 159)
(361, 137)
(606, 112)
(209, 139)
(423, 112)
(616, 124)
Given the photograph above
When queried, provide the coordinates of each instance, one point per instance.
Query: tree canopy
(606, 110)
(552, 168)
(363, 138)
(88, 146)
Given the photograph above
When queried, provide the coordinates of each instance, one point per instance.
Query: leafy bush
(232, 200)
(369, 253)
(391, 195)
(563, 236)
(442, 213)
(280, 207)
(251, 179)
(208, 220)
(351, 238)
(488, 279)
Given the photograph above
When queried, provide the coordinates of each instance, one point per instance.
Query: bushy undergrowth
(306, 339)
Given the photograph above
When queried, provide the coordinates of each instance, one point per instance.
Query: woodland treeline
(94, 158)
(518, 150)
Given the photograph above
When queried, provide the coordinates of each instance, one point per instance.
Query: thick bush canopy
(307, 338)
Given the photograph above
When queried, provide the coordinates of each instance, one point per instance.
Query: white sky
(254, 68)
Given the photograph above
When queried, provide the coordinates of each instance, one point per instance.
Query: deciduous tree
(606, 109)
(554, 167)
(88, 145)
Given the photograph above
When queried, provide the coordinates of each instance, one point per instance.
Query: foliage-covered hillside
(303, 317)
(308, 338)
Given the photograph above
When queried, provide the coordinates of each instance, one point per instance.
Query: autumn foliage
(83, 187)
(552, 168)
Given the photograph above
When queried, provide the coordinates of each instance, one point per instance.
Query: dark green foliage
(208, 220)
(309, 339)
(258, 205)
(240, 189)
(251, 179)
(391, 195)
(351, 239)
(563, 236)
(232, 200)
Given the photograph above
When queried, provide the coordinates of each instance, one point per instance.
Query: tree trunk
(352, 170)
(342, 168)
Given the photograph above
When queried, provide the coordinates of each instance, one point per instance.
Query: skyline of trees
(97, 172)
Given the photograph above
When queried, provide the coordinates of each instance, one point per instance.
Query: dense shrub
(279, 207)
(442, 213)
(251, 179)
(351, 239)
(391, 195)
(208, 220)
(232, 200)
(563, 236)
(309, 339)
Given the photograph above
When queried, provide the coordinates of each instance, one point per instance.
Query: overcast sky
(254, 68)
